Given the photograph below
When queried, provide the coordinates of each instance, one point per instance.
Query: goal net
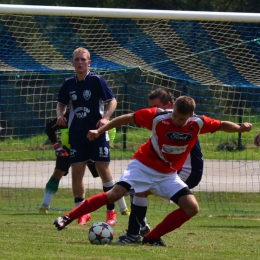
(212, 57)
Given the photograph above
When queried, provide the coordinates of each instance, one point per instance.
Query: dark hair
(163, 94)
(185, 105)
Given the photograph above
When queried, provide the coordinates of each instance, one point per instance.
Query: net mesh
(217, 63)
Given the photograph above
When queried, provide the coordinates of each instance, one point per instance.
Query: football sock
(136, 219)
(172, 221)
(50, 190)
(93, 203)
(106, 187)
(52, 185)
(78, 201)
(141, 209)
(121, 204)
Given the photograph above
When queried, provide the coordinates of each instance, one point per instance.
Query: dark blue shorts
(84, 151)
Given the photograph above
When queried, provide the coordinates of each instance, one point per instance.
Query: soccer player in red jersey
(155, 164)
(191, 173)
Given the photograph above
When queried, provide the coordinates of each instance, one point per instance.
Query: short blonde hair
(81, 49)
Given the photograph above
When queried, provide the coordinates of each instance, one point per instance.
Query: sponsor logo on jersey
(87, 94)
(178, 136)
(165, 122)
(174, 149)
(81, 112)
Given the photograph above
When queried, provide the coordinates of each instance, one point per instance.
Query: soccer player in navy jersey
(190, 173)
(155, 164)
(87, 92)
(62, 165)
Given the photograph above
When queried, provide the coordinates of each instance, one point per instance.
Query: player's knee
(116, 193)
(58, 174)
(194, 210)
(189, 204)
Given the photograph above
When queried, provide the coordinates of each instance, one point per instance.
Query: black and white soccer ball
(100, 233)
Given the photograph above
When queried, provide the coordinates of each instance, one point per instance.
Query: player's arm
(61, 110)
(118, 121)
(50, 129)
(231, 127)
(110, 109)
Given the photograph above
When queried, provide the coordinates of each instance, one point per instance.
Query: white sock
(47, 199)
(121, 202)
(140, 201)
(121, 205)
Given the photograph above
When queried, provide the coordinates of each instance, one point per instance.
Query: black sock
(109, 206)
(77, 200)
(136, 219)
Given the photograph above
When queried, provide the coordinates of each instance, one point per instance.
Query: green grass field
(227, 226)
(212, 234)
(27, 235)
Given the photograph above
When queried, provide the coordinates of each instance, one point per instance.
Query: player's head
(81, 60)
(161, 98)
(82, 50)
(183, 108)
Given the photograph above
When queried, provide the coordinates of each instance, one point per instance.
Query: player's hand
(257, 140)
(59, 151)
(246, 127)
(101, 122)
(92, 134)
(62, 121)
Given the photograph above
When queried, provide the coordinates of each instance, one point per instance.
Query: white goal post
(129, 13)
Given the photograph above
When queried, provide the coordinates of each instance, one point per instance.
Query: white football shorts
(143, 178)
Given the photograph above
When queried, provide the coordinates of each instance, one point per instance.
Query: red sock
(93, 203)
(172, 221)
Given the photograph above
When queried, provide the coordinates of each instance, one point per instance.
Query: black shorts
(95, 151)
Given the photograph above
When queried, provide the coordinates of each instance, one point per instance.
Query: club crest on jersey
(178, 136)
(87, 94)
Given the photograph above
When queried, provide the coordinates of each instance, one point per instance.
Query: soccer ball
(100, 233)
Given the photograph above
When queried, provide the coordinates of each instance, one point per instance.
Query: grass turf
(212, 234)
